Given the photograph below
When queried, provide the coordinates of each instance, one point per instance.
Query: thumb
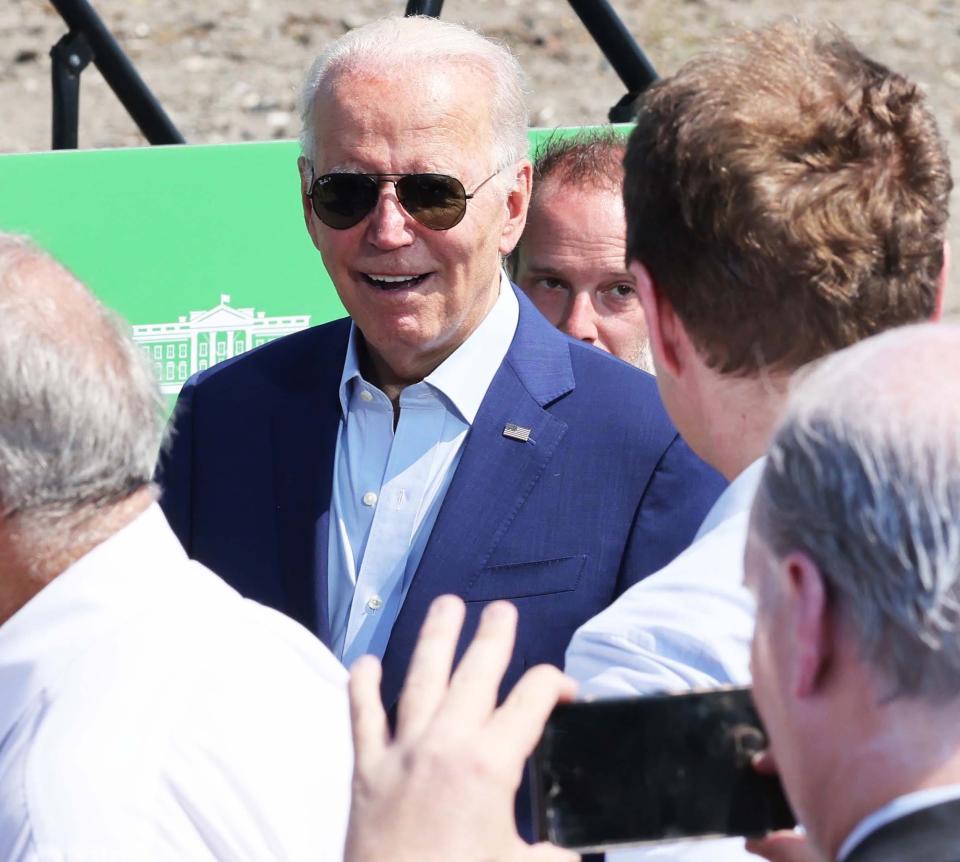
(546, 852)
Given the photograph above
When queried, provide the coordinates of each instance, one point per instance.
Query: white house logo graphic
(204, 338)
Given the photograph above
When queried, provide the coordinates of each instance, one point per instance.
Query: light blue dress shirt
(389, 484)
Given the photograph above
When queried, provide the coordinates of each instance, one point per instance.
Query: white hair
(864, 477)
(82, 413)
(394, 44)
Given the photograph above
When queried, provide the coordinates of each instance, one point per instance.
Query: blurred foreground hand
(785, 845)
(442, 788)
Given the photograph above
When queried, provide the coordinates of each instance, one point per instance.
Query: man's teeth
(392, 279)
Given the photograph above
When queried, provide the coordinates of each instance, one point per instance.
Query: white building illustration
(204, 338)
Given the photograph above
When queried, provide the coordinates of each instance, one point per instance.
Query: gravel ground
(228, 70)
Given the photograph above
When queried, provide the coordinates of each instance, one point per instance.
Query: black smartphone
(621, 772)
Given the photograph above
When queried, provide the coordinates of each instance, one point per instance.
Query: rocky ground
(228, 70)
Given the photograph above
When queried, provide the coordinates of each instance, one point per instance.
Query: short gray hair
(864, 477)
(82, 413)
(395, 43)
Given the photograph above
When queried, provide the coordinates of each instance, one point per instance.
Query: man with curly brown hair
(786, 196)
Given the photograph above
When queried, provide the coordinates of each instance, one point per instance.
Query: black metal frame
(612, 37)
(90, 40)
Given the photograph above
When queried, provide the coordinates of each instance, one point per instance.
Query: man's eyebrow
(544, 269)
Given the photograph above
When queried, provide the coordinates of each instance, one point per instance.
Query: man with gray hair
(854, 558)
(444, 438)
(147, 711)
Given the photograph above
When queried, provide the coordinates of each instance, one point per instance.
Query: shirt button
(374, 603)
(366, 395)
(369, 499)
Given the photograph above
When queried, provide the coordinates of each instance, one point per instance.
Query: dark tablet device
(622, 772)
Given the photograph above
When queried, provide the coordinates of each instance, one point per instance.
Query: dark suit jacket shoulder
(929, 835)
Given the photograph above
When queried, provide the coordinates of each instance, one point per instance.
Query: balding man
(147, 711)
(854, 558)
(445, 437)
(571, 258)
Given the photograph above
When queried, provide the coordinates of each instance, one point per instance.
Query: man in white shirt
(765, 227)
(147, 711)
(854, 558)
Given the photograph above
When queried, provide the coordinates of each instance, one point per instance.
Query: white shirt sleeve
(686, 627)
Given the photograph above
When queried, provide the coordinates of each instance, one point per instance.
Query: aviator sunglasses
(437, 201)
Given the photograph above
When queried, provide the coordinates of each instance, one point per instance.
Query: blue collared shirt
(388, 485)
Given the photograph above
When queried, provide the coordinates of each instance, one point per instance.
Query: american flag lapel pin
(516, 432)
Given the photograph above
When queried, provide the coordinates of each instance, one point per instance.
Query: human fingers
(429, 671)
(368, 721)
(545, 852)
(783, 846)
(476, 681)
(519, 722)
(764, 763)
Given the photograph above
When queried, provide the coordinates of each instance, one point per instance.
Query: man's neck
(737, 418)
(29, 561)
(909, 747)
(394, 371)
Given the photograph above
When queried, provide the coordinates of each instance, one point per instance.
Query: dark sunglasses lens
(434, 200)
(342, 200)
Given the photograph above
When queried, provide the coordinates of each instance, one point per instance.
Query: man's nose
(389, 223)
(581, 318)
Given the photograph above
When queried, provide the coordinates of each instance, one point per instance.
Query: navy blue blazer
(604, 493)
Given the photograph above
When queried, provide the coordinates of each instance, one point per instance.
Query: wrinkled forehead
(403, 114)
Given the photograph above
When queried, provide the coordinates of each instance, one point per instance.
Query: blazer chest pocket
(516, 580)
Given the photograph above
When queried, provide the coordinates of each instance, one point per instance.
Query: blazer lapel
(495, 475)
(304, 427)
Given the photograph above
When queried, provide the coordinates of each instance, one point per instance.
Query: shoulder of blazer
(553, 366)
(302, 359)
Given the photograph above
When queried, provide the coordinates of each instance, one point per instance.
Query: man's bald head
(82, 414)
(864, 478)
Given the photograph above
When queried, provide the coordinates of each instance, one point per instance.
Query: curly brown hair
(789, 196)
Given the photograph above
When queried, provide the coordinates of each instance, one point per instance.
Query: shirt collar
(38, 643)
(737, 497)
(465, 375)
(894, 810)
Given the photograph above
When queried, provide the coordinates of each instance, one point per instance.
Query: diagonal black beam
(119, 72)
(424, 7)
(618, 46)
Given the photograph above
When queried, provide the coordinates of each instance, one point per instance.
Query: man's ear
(809, 619)
(942, 284)
(306, 177)
(517, 203)
(664, 328)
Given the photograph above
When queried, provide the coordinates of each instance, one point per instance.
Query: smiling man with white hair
(854, 558)
(444, 438)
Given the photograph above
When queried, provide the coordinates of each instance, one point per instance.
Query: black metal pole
(618, 46)
(69, 57)
(424, 7)
(119, 72)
